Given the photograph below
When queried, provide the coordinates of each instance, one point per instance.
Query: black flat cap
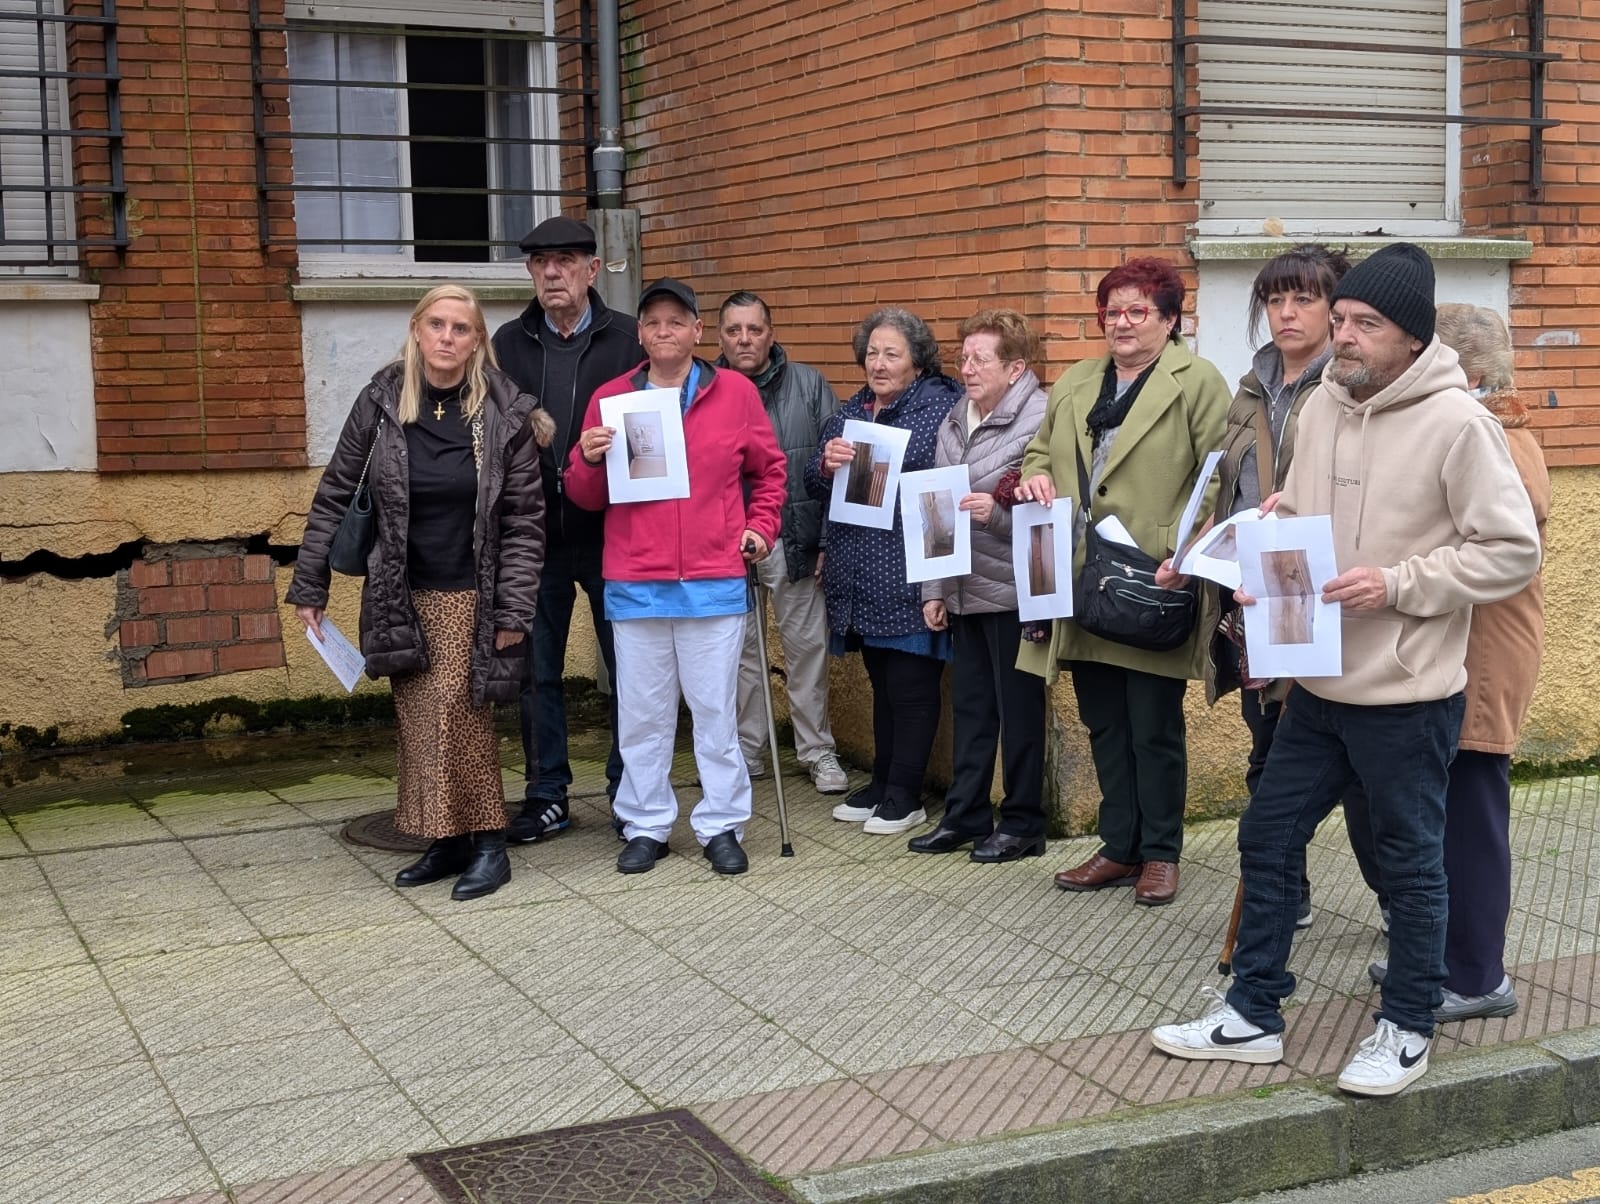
(559, 234)
(668, 287)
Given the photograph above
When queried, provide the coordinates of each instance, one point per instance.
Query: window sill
(1212, 249)
(375, 289)
(12, 289)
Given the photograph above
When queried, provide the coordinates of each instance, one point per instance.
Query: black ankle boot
(490, 868)
(445, 858)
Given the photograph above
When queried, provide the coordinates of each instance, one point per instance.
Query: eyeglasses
(1136, 315)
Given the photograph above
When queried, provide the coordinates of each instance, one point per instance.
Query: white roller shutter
(25, 160)
(528, 16)
(1348, 172)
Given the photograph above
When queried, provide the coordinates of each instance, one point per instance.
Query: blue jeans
(1401, 755)
(543, 703)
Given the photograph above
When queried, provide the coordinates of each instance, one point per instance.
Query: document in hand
(1041, 559)
(937, 532)
(864, 489)
(1215, 555)
(1290, 631)
(343, 657)
(647, 460)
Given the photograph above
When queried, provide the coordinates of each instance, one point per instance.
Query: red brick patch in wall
(197, 610)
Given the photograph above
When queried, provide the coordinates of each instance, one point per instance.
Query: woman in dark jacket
(993, 703)
(871, 606)
(448, 445)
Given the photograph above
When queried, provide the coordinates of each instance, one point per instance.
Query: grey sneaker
(1378, 971)
(1383, 920)
(1303, 917)
(756, 767)
(1502, 1001)
(827, 775)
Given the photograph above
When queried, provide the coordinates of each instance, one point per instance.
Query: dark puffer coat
(507, 538)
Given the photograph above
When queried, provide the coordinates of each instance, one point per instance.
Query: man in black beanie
(1429, 519)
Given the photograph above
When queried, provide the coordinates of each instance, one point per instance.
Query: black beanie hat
(1397, 281)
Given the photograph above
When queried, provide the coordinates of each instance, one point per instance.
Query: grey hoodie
(1420, 484)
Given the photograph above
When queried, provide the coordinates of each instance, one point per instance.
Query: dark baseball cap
(559, 234)
(668, 287)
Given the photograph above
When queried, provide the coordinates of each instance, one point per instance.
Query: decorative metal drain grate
(663, 1158)
(377, 831)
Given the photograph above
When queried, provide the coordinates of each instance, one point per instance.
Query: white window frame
(320, 263)
(1397, 226)
(22, 149)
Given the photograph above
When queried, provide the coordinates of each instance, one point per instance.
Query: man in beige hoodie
(1429, 519)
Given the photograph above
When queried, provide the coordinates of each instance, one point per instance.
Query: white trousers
(657, 661)
(803, 632)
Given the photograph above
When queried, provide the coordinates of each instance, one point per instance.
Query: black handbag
(1117, 597)
(358, 529)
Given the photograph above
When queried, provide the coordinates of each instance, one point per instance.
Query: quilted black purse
(358, 529)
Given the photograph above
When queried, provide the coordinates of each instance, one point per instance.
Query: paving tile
(470, 1035)
(813, 1128)
(216, 821)
(167, 932)
(324, 787)
(338, 811)
(10, 843)
(110, 825)
(692, 1067)
(829, 980)
(527, 886)
(30, 950)
(100, 1099)
(979, 955)
(173, 800)
(1127, 1065)
(144, 1163)
(224, 1078)
(1577, 976)
(1320, 1037)
(19, 878)
(862, 1039)
(312, 1133)
(59, 1019)
(395, 1181)
(249, 849)
(214, 997)
(1055, 1009)
(513, 1096)
(607, 1020)
(187, 888)
(969, 1098)
(306, 914)
(87, 872)
(287, 879)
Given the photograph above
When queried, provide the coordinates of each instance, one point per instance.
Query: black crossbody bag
(1117, 595)
(358, 529)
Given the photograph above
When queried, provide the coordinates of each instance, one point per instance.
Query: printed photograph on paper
(1041, 559)
(647, 460)
(938, 533)
(1290, 631)
(864, 490)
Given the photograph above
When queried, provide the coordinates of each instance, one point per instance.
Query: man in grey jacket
(798, 401)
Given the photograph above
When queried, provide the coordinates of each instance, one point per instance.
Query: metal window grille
(443, 192)
(47, 220)
(1535, 56)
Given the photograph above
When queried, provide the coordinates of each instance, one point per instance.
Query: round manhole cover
(377, 831)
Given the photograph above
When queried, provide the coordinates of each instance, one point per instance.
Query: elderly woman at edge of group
(453, 576)
(871, 606)
(993, 703)
(1143, 417)
(1504, 644)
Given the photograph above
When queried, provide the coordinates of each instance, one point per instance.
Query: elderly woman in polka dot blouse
(871, 607)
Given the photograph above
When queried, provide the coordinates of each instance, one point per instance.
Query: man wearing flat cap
(1429, 519)
(565, 345)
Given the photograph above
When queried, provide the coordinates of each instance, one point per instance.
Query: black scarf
(1110, 411)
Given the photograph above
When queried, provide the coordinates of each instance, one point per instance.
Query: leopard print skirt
(449, 762)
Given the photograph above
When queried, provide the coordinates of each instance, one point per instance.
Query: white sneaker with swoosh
(1220, 1035)
(1386, 1061)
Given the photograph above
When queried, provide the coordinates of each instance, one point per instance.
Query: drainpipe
(608, 157)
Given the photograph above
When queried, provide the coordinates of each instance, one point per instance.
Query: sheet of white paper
(1290, 631)
(1041, 559)
(1191, 509)
(864, 489)
(1110, 527)
(1215, 555)
(647, 460)
(937, 532)
(343, 657)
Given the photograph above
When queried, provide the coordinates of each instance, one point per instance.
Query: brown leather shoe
(1158, 883)
(1097, 873)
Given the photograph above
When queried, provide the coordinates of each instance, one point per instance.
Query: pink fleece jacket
(730, 446)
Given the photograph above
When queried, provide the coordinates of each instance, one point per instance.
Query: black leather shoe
(445, 858)
(1003, 846)
(640, 854)
(490, 868)
(940, 840)
(725, 855)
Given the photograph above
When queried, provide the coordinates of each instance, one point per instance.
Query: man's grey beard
(1351, 373)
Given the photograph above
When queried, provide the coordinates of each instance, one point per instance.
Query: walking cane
(1225, 958)
(759, 608)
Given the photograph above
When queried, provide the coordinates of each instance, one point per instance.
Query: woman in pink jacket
(675, 584)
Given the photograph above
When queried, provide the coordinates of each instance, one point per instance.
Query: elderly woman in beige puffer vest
(1504, 644)
(993, 702)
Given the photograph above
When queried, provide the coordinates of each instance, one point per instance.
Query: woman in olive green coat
(1144, 417)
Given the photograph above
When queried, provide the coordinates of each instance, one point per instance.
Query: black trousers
(905, 717)
(1136, 735)
(994, 706)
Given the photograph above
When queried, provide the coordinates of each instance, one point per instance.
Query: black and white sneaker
(539, 819)
(1221, 1035)
(859, 805)
(1386, 1061)
(895, 815)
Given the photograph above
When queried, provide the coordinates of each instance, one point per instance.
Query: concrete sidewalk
(204, 991)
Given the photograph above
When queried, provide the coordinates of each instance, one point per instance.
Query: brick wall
(197, 611)
(196, 344)
(937, 154)
(1555, 296)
